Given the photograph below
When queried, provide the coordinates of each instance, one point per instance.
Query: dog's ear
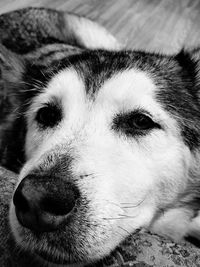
(189, 60)
(85, 33)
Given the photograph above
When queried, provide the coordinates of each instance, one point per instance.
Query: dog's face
(110, 141)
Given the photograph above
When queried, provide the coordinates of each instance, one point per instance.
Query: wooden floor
(158, 25)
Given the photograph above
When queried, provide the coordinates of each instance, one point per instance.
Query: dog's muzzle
(44, 204)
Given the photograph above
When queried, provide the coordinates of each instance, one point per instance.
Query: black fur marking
(179, 94)
(193, 240)
(191, 136)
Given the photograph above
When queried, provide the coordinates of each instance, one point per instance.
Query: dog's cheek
(120, 186)
(114, 210)
(34, 140)
(170, 160)
(129, 177)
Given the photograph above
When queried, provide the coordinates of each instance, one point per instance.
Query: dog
(105, 140)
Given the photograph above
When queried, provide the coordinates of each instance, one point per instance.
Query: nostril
(57, 207)
(20, 201)
(61, 204)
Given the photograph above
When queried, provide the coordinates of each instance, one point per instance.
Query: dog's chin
(48, 257)
(47, 247)
(48, 260)
(51, 257)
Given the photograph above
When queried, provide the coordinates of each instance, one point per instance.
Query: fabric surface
(138, 250)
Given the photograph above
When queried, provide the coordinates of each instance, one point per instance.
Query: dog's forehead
(124, 84)
(125, 90)
(102, 73)
(127, 86)
(92, 74)
(123, 81)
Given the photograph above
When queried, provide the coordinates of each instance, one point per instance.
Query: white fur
(174, 223)
(91, 34)
(131, 177)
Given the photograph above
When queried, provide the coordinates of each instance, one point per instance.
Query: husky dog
(105, 140)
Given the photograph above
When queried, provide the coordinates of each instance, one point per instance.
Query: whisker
(124, 230)
(122, 217)
(117, 218)
(117, 232)
(126, 216)
(132, 205)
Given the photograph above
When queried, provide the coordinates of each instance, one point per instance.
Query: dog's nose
(43, 204)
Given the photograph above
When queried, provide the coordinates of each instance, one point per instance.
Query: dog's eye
(134, 123)
(141, 122)
(48, 116)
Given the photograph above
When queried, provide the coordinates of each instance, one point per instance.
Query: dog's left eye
(134, 123)
(48, 116)
(141, 122)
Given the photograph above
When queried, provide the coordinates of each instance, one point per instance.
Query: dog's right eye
(135, 123)
(48, 116)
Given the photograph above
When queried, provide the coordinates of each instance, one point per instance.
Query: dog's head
(108, 140)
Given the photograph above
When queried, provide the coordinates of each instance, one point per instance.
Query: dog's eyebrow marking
(68, 89)
(127, 84)
(128, 90)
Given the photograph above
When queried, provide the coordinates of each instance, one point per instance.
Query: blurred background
(153, 25)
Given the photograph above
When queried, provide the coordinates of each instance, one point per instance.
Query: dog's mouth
(54, 258)
(47, 247)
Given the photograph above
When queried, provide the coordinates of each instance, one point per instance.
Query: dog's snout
(44, 203)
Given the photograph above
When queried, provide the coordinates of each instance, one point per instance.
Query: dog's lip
(52, 259)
